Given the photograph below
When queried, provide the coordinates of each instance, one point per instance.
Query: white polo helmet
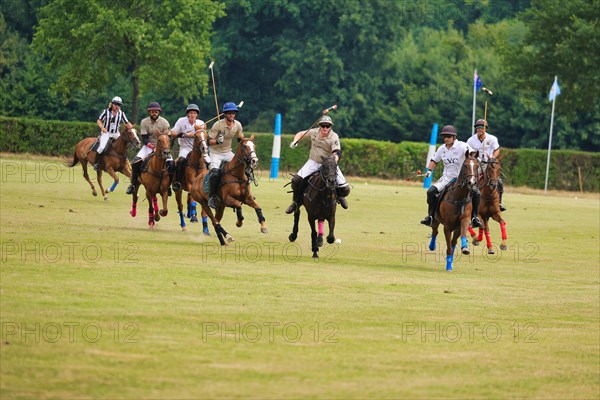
(117, 100)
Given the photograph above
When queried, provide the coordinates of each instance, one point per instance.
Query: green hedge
(360, 157)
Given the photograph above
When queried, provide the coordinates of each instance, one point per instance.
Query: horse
(114, 160)
(490, 205)
(320, 201)
(155, 179)
(454, 211)
(234, 189)
(194, 164)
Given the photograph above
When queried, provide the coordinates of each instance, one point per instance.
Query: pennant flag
(555, 90)
(476, 82)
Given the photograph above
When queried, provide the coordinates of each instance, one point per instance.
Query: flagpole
(549, 145)
(474, 96)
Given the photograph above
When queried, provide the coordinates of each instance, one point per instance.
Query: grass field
(94, 305)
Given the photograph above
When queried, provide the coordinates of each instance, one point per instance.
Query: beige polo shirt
(323, 147)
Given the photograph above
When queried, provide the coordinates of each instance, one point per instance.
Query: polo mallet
(414, 175)
(325, 112)
(220, 115)
(489, 92)
(214, 88)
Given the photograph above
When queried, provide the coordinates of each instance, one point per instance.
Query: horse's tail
(74, 161)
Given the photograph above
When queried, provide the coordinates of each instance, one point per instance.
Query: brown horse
(320, 201)
(455, 208)
(234, 189)
(114, 160)
(155, 179)
(194, 164)
(490, 205)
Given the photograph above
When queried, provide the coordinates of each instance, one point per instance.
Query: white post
(549, 145)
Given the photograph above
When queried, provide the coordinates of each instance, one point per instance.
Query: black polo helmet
(448, 130)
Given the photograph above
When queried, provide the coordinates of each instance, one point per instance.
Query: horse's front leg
(221, 232)
(434, 232)
(84, 165)
(261, 219)
(180, 209)
(165, 200)
(219, 216)
(449, 247)
(151, 217)
(464, 228)
(488, 238)
(294, 235)
(331, 236)
(134, 199)
(154, 208)
(313, 237)
(240, 217)
(498, 218)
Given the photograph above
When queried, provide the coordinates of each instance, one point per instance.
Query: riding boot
(431, 200)
(297, 194)
(475, 221)
(97, 161)
(501, 192)
(136, 171)
(171, 173)
(179, 167)
(343, 192)
(213, 182)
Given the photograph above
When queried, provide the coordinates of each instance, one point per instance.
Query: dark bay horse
(490, 205)
(320, 201)
(155, 179)
(454, 211)
(194, 165)
(114, 160)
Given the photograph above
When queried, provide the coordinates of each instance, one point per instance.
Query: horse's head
(200, 140)
(329, 171)
(247, 152)
(469, 170)
(163, 145)
(492, 172)
(131, 137)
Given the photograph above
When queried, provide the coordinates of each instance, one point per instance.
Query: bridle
(489, 169)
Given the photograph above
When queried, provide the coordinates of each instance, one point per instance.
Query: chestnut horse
(114, 160)
(234, 189)
(320, 201)
(490, 205)
(455, 208)
(155, 179)
(194, 164)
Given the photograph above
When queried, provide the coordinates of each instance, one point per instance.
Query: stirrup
(343, 202)
(193, 218)
(291, 208)
(211, 202)
(96, 167)
(475, 222)
(427, 221)
(502, 208)
(130, 189)
(176, 186)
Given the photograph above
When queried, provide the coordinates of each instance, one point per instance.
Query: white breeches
(104, 140)
(216, 158)
(442, 183)
(312, 166)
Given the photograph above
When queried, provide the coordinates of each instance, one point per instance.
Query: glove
(219, 139)
(293, 145)
(150, 145)
(428, 173)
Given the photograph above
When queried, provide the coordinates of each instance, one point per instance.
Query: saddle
(206, 180)
(440, 197)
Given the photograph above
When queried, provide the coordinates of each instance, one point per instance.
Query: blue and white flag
(555, 90)
(476, 82)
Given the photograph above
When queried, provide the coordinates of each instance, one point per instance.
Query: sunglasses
(326, 126)
(479, 127)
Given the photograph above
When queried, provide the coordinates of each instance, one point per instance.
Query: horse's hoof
(157, 217)
(94, 193)
(320, 241)
(448, 269)
(292, 237)
(230, 238)
(330, 239)
(490, 251)
(475, 242)
(264, 230)
(163, 213)
(133, 213)
(315, 255)
(239, 224)
(206, 232)
(105, 198)
(503, 247)
(432, 247)
(465, 251)
(184, 228)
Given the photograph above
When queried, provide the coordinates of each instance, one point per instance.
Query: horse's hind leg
(498, 218)
(154, 208)
(87, 176)
(313, 237)
(240, 217)
(151, 219)
(99, 179)
(180, 210)
(320, 229)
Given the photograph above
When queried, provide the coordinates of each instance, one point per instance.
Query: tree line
(393, 67)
